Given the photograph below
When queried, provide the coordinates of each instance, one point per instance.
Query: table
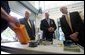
(4, 52)
(56, 48)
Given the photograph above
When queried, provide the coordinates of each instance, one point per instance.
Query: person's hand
(13, 19)
(74, 36)
(51, 29)
(14, 25)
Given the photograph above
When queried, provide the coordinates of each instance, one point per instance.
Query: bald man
(29, 24)
(72, 26)
(48, 27)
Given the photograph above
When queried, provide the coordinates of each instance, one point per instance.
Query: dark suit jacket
(77, 26)
(44, 27)
(30, 31)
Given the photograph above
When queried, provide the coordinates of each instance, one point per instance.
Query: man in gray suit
(29, 24)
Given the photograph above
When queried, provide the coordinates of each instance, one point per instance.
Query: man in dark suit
(29, 24)
(48, 27)
(72, 26)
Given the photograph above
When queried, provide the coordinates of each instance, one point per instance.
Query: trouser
(49, 37)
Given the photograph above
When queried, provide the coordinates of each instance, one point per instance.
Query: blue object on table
(68, 43)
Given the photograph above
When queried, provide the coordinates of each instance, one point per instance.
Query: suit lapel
(66, 23)
(51, 22)
(31, 23)
(64, 19)
(27, 24)
(46, 22)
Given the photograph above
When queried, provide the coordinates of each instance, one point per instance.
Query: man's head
(46, 15)
(64, 10)
(27, 14)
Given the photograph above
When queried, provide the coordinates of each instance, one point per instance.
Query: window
(53, 4)
(15, 15)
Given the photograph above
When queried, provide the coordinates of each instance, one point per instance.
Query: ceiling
(51, 4)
